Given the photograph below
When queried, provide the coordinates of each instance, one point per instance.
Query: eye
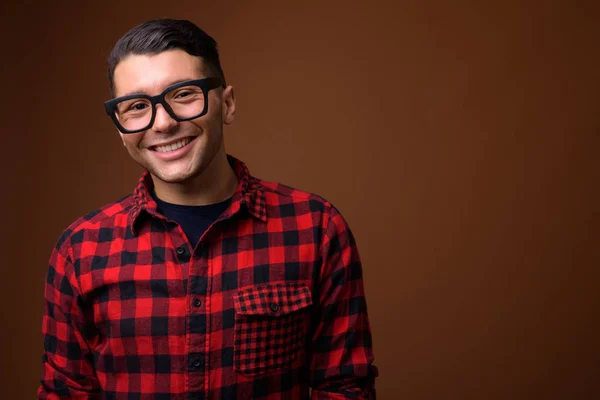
(137, 106)
(183, 94)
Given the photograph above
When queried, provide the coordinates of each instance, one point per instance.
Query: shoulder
(286, 201)
(110, 215)
(277, 194)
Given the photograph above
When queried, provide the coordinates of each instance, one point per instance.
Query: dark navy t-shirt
(194, 220)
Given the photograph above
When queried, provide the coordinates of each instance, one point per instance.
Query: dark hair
(158, 35)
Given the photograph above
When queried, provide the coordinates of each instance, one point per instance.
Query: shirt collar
(249, 194)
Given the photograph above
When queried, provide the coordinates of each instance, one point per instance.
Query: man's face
(202, 137)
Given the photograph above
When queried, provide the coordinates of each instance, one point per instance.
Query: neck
(216, 183)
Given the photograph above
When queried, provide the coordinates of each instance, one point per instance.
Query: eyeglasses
(182, 101)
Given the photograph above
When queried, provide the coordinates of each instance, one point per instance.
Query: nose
(163, 121)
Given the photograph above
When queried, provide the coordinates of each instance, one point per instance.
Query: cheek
(213, 124)
(132, 142)
(212, 121)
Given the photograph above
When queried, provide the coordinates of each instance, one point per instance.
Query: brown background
(460, 141)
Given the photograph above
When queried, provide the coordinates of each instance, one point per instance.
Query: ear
(228, 104)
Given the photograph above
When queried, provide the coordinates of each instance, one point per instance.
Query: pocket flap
(272, 299)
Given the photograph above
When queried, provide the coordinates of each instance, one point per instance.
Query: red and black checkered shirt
(269, 302)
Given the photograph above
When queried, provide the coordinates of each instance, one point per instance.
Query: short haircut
(158, 35)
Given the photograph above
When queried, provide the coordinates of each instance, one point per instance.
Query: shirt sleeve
(68, 372)
(342, 356)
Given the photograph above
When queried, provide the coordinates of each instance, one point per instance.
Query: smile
(172, 146)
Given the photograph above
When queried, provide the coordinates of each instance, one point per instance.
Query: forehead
(151, 73)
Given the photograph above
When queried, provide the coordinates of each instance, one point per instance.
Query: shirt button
(197, 302)
(274, 307)
(196, 363)
(180, 250)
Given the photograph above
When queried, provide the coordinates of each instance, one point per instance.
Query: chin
(173, 178)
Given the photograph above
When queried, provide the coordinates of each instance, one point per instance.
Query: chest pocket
(271, 323)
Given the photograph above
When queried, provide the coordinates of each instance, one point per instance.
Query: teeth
(173, 146)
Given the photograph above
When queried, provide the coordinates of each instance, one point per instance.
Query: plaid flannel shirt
(269, 302)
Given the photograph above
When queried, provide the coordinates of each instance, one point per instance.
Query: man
(206, 282)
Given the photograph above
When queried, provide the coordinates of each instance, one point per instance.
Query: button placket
(183, 254)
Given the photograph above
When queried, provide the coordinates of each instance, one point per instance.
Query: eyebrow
(140, 91)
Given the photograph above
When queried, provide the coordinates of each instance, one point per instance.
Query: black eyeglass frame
(205, 84)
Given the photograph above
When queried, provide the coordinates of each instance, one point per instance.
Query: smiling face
(174, 152)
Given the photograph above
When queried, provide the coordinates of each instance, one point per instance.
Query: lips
(173, 150)
(165, 148)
